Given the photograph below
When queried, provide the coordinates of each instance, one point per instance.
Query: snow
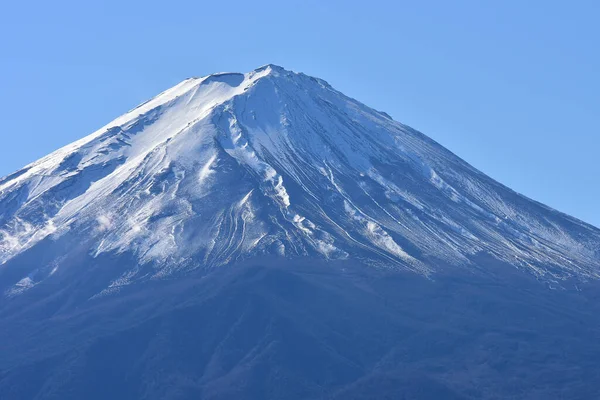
(206, 170)
(231, 166)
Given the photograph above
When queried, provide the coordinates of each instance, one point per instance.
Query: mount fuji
(264, 236)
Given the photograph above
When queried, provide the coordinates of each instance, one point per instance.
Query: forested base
(281, 330)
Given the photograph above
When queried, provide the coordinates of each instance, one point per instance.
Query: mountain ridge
(231, 166)
(263, 236)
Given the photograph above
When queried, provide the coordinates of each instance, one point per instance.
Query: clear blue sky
(512, 87)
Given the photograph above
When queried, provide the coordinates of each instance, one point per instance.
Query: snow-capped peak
(230, 166)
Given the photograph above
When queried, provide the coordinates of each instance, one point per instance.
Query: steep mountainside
(262, 235)
(230, 166)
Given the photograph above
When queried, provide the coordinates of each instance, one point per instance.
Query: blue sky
(512, 87)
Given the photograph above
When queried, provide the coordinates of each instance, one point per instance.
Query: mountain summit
(264, 236)
(231, 166)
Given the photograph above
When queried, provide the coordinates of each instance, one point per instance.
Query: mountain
(263, 236)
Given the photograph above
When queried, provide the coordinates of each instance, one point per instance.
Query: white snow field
(272, 162)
